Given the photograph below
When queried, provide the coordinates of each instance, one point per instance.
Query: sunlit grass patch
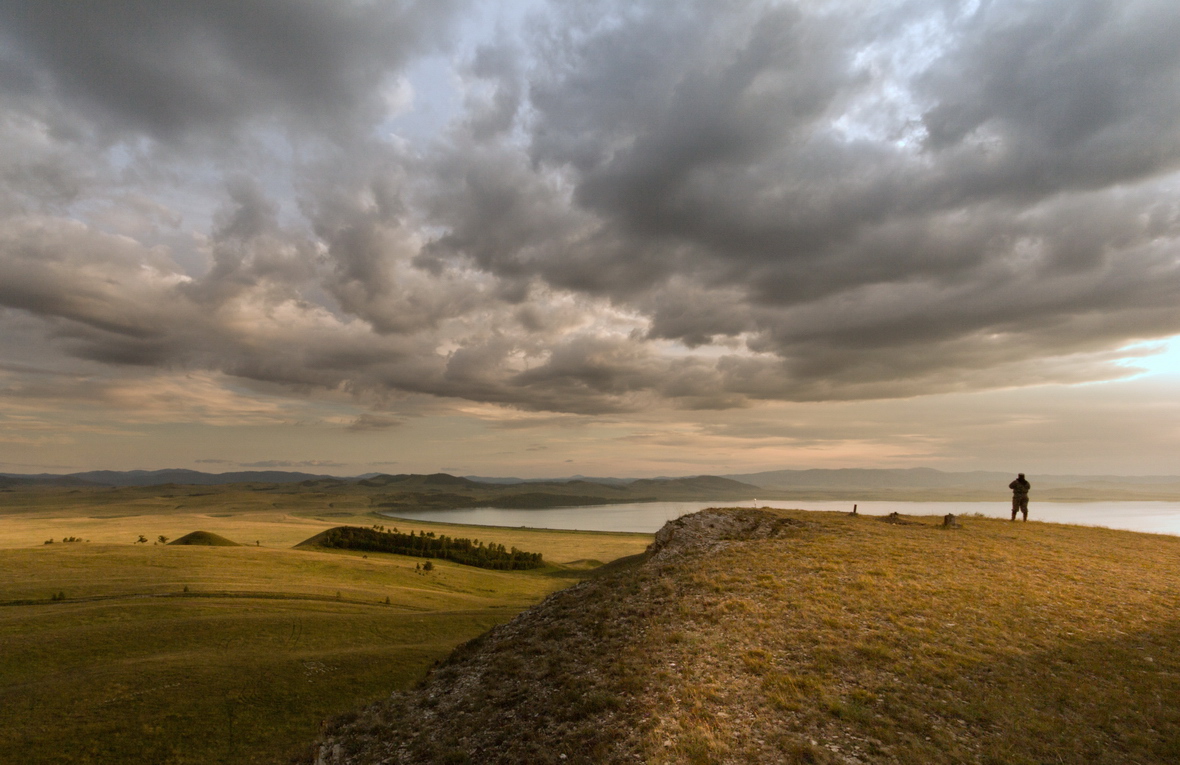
(991, 643)
(195, 654)
(844, 640)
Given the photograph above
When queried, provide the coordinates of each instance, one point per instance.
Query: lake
(648, 517)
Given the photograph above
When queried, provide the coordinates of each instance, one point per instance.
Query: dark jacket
(1020, 486)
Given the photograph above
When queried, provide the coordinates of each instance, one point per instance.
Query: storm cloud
(690, 204)
(170, 68)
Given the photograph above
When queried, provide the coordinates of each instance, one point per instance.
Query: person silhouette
(1020, 489)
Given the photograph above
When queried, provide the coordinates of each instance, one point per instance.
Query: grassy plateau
(800, 637)
(115, 651)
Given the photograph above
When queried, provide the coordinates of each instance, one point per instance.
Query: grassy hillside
(214, 654)
(265, 515)
(206, 538)
(793, 637)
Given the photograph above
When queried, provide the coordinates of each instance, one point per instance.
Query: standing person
(1020, 489)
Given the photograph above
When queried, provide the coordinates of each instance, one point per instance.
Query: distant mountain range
(928, 478)
(155, 478)
(847, 483)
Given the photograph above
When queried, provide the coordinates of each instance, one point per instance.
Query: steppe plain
(115, 651)
(841, 640)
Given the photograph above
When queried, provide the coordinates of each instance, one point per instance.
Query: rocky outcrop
(713, 529)
(565, 682)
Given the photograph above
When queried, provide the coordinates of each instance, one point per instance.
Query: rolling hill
(749, 636)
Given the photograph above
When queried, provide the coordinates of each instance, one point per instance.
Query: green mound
(426, 545)
(207, 538)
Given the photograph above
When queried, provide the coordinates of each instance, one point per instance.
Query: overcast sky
(596, 236)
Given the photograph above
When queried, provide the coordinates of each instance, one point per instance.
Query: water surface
(648, 517)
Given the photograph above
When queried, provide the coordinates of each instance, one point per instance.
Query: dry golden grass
(822, 638)
(859, 640)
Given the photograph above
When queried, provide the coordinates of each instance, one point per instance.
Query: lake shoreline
(1147, 516)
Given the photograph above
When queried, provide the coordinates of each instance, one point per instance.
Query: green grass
(262, 518)
(203, 680)
(187, 654)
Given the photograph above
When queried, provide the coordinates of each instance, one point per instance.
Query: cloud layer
(690, 204)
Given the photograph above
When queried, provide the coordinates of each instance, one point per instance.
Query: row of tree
(428, 545)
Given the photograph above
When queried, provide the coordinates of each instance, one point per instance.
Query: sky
(597, 237)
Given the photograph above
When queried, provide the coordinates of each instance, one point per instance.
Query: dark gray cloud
(733, 172)
(696, 203)
(368, 422)
(172, 67)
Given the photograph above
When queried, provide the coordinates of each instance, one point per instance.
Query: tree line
(429, 545)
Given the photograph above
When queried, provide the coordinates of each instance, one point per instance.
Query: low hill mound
(323, 483)
(707, 484)
(414, 480)
(206, 538)
(384, 479)
(751, 636)
(536, 500)
(446, 479)
(425, 545)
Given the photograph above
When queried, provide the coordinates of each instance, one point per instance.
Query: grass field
(170, 654)
(825, 640)
(999, 643)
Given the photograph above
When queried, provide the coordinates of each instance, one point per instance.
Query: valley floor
(119, 652)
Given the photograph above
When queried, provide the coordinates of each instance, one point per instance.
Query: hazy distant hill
(936, 485)
(929, 478)
(8, 481)
(921, 484)
(864, 478)
(703, 483)
(443, 491)
(157, 477)
(603, 480)
(406, 481)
